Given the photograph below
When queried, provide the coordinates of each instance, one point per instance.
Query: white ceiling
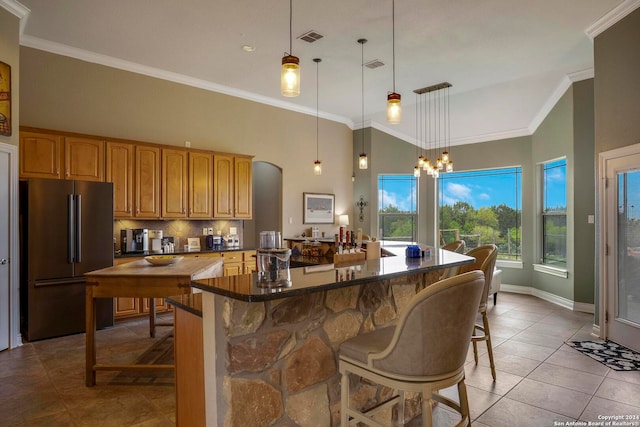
(508, 60)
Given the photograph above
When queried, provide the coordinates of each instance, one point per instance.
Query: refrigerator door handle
(78, 228)
(71, 236)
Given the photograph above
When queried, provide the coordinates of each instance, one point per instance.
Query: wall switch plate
(591, 219)
(204, 231)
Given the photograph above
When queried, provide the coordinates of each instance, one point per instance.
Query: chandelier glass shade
(290, 73)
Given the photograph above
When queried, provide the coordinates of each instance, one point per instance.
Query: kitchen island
(138, 279)
(270, 352)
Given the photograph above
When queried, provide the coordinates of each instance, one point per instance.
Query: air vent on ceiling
(374, 64)
(311, 36)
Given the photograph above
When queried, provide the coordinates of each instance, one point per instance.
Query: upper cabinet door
(147, 182)
(41, 155)
(243, 185)
(119, 171)
(200, 185)
(174, 183)
(223, 186)
(84, 159)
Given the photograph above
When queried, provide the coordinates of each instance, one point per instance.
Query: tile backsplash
(180, 230)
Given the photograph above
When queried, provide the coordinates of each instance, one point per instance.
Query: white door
(622, 195)
(4, 249)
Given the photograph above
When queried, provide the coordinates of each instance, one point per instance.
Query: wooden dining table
(139, 279)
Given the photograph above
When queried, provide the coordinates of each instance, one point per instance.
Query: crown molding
(18, 10)
(612, 17)
(95, 58)
(581, 75)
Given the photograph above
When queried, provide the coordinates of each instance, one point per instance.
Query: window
(398, 207)
(554, 213)
(483, 207)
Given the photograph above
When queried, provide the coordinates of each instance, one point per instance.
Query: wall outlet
(210, 231)
(187, 144)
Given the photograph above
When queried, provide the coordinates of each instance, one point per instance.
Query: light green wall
(617, 91)
(584, 244)
(10, 54)
(554, 139)
(71, 95)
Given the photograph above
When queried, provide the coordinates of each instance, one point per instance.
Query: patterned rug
(610, 354)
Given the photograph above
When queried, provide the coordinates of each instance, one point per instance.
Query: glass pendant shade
(421, 161)
(439, 164)
(317, 167)
(427, 165)
(450, 167)
(394, 108)
(290, 76)
(416, 171)
(445, 157)
(362, 162)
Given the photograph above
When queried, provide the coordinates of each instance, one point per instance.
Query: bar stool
(486, 261)
(455, 246)
(423, 353)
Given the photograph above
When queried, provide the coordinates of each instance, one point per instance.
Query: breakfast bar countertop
(315, 278)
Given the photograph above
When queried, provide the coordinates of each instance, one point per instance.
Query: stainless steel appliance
(66, 230)
(155, 241)
(134, 240)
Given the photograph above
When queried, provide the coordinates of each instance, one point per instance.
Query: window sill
(554, 271)
(505, 263)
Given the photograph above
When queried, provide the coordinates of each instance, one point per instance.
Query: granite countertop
(189, 302)
(315, 278)
(206, 251)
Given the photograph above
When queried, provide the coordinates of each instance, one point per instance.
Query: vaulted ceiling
(508, 60)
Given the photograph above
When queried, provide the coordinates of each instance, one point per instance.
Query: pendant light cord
(317, 94)
(393, 41)
(291, 27)
(362, 82)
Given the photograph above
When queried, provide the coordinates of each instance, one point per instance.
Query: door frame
(15, 340)
(603, 265)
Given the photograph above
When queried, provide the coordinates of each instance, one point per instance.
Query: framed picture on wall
(318, 208)
(5, 99)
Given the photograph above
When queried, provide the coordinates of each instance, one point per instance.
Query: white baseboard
(547, 296)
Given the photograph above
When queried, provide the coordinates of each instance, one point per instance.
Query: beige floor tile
(479, 400)
(599, 407)
(566, 377)
(529, 351)
(515, 365)
(571, 358)
(628, 376)
(511, 413)
(560, 331)
(620, 391)
(524, 315)
(511, 322)
(550, 397)
(503, 331)
(536, 338)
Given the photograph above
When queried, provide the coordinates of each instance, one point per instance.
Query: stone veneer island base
(272, 358)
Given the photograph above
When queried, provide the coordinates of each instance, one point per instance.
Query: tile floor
(540, 380)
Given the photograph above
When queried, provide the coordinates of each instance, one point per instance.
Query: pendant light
(317, 165)
(416, 169)
(362, 161)
(290, 74)
(394, 106)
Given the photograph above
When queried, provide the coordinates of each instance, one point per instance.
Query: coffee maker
(134, 240)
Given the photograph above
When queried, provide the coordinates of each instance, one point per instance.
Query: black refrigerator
(66, 230)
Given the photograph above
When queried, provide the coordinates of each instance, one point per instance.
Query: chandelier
(433, 130)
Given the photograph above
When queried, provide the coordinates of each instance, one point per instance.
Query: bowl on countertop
(163, 259)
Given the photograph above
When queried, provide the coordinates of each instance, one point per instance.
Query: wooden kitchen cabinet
(242, 187)
(174, 183)
(232, 187)
(238, 262)
(119, 171)
(147, 182)
(200, 185)
(83, 159)
(54, 156)
(41, 155)
(222, 186)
